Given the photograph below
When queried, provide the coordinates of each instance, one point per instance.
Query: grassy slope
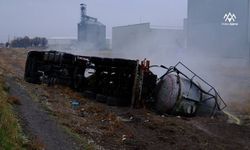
(10, 131)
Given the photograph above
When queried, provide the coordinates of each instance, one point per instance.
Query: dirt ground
(98, 126)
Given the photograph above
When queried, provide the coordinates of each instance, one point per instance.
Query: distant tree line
(24, 42)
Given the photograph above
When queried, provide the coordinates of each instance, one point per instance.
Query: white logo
(230, 19)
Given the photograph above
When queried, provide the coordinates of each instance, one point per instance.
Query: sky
(59, 18)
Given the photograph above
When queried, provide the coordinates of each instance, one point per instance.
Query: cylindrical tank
(209, 107)
(177, 95)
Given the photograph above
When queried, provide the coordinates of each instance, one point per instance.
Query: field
(98, 126)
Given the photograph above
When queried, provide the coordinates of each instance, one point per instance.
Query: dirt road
(38, 123)
(45, 110)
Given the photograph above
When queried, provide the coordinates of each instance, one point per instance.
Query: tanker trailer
(180, 94)
(124, 82)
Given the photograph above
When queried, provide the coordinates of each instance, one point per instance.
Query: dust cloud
(229, 76)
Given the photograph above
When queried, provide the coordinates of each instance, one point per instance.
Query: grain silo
(91, 32)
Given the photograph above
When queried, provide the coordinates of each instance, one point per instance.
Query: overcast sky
(59, 18)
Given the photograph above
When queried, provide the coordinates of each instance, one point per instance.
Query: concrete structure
(143, 37)
(219, 27)
(91, 33)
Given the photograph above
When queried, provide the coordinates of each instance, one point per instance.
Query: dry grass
(14, 67)
(35, 144)
(240, 107)
(10, 130)
(13, 100)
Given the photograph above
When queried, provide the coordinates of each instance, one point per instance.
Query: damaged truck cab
(123, 82)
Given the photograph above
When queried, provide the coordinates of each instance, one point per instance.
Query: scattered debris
(124, 138)
(124, 119)
(75, 104)
(232, 118)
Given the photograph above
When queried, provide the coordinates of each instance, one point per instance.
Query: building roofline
(146, 23)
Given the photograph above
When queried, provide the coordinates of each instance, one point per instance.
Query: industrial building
(91, 32)
(218, 27)
(145, 38)
(62, 43)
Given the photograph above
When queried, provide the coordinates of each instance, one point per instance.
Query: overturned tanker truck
(124, 82)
